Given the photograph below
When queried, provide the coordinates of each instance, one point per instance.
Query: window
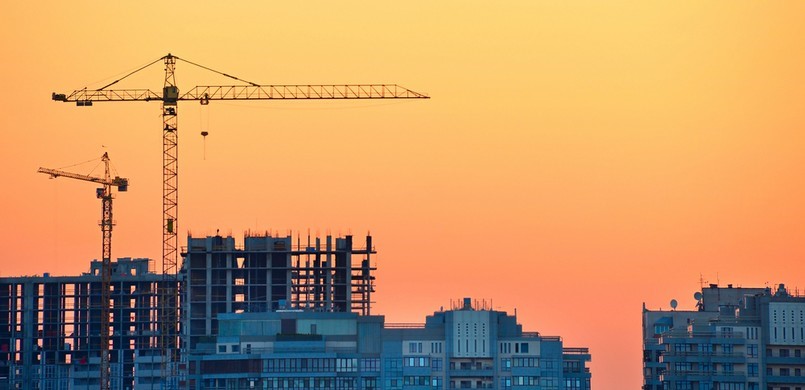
(682, 367)
(506, 364)
(573, 384)
(370, 365)
(414, 347)
(436, 382)
(726, 348)
(785, 372)
(346, 365)
(417, 362)
(533, 362)
(751, 369)
(751, 350)
(525, 380)
(393, 364)
(393, 383)
(683, 347)
(415, 380)
(235, 348)
(784, 352)
(523, 347)
(222, 349)
(683, 385)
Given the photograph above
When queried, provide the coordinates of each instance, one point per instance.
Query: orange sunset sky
(577, 158)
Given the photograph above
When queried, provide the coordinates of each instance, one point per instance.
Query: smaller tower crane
(105, 195)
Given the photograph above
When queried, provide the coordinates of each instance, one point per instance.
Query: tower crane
(169, 97)
(105, 195)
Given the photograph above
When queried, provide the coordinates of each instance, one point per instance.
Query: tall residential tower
(738, 339)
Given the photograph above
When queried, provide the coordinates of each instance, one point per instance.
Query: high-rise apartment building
(738, 339)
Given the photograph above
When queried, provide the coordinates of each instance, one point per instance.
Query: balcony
(787, 380)
(487, 372)
(675, 337)
(789, 360)
(702, 357)
(695, 375)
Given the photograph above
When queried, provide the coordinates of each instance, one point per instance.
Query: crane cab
(170, 94)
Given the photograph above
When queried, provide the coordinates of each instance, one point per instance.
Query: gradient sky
(576, 159)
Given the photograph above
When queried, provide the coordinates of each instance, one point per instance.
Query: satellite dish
(697, 296)
(673, 304)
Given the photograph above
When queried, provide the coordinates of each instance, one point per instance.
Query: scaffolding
(50, 327)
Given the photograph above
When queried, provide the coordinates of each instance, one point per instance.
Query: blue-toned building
(738, 339)
(468, 347)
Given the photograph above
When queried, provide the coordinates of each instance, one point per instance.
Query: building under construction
(269, 312)
(50, 325)
(270, 273)
(50, 328)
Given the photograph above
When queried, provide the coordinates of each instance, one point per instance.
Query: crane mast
(170, 96)
(168, 342)
(105, 195)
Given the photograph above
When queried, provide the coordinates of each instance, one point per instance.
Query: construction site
(269, 311)
(50, 326)
(129, 323)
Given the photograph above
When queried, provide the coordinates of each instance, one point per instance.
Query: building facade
(468, 347)
(739, 339)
